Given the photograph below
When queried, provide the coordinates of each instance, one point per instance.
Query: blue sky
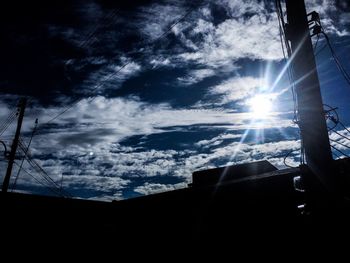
(152, 107)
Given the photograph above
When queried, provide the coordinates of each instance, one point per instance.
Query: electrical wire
(339, 150)
(336, 155)
(341, 135)
(285, 159)
(6, 124)
(87, 41)
(334, 119)
(340, 67)
(315, 46)
(42, 172)
(26, 151)
(5, 148)
(342, 124)
(320, 50)
(340, 143)
(53, 190)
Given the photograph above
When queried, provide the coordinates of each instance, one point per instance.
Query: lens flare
(260, 106)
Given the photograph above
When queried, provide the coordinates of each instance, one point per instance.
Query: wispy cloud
(153, 20)
(238, 88)
(249, 33)
(108, 170)
(149, 188)
(110, 76)
(217, 140)
(195, 76)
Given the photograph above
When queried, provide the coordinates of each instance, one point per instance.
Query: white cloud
(112, 120)
(237, 8)
(156, 18)
(250, 32)
(149, 188)
(111, 167)
(255, 36)
(159, 62)
(111, 75)
(205, 28)
(217, 140)
(345, 18)
(339, 140)
(206, 12)
(195, 76)
(238, 88)
(237, 152)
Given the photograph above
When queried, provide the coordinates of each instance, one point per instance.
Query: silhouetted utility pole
(21, 106)
(311, 115)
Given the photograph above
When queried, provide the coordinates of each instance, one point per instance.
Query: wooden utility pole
(21, 106)
(311, 115)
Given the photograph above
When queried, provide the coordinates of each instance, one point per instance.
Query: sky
(132, 98)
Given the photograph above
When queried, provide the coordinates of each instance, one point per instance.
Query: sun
(260, 106)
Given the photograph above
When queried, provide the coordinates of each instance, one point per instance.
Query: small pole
(22, 106)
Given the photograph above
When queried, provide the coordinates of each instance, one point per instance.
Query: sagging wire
(26, 151)
(53, 190)
(36, 166)
(317, 29)
(332, 115)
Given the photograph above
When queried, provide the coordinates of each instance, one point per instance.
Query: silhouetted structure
(247, 210)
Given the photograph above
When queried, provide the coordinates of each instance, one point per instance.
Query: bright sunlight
(260, 106)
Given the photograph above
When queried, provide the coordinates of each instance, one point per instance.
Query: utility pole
(311, 115)
(21, 106)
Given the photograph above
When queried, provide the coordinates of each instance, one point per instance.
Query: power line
(8, 122)
(39, 182)
(336, 155)
(320, 50)
(334, 118)
(26, 151)
(336, 59)
(341, 135)
(42, 172)
(344, 127)
(87, 41)
(5, 147)
(339, 150)
(340, 143)
(285, 159)
(318, 38)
